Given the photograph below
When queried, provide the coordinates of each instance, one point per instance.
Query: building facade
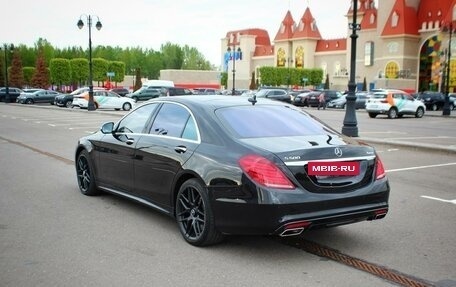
(402, 44)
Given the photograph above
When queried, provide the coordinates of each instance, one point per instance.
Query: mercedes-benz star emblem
(338, 152)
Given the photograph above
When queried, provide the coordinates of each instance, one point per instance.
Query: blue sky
(150, 23)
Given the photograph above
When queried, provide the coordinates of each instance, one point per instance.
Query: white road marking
(439, 199)
(423, 138)
(388, 132)
(421, 167)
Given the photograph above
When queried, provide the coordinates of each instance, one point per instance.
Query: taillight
(264, 172)
(384, 101)
(379, 169)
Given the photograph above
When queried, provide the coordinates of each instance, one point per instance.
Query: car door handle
(130, 141)
(180, 149)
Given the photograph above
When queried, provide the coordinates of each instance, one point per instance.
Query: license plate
(331, 168)
(374, 106)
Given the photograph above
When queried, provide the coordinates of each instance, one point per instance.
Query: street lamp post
(233, 57)
(350, 127)
(446, 106)
(7, 95)
(90, 105)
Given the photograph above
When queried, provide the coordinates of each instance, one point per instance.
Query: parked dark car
(66, 100)
(452, 98)
(207, 91)
(37, 96)
(433, 100)
(174, 91)
(274, 94)
(329, 96)
(234, 165)
(120, 91)
(147, 93)
(302, 99)
(12, 92)
(341, 103)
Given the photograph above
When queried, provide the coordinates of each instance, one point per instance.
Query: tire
(392, 113)
(194, 215)
(434, 107)
(69, 104)
(29, 101)
(372, 115)
(126, 106)
(451, 107)
(419, 113)
(84, 173)
(135, 99)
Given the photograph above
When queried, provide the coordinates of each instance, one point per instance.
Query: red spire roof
(434, 11)
(262, 36)
(307, 27)
(403, 20)
(369, 20)
(331, 45)
(286, 28)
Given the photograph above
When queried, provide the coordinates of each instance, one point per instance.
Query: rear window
(379, 96)
(269, 121)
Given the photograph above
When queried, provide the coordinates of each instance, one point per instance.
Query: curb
(421, 146)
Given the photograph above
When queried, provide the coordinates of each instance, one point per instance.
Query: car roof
(217, 101)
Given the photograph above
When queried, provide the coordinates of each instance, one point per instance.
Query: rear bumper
(274, 219)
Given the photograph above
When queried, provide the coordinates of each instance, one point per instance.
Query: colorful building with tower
(403, 44)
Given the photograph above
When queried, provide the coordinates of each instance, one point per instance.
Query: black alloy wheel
(194, 215)
(69, 104)
(86, 180)
(29, 101)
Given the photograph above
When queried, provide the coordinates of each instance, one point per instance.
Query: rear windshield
(269, 121)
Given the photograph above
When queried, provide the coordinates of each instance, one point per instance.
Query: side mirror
(107, 128)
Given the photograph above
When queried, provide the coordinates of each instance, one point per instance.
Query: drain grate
(375, 269)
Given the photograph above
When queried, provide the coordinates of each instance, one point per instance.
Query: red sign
(333, 168)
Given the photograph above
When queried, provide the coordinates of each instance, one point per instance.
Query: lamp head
(98, 25)
(80, 24)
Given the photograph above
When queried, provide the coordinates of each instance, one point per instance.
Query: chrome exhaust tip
(292, 232)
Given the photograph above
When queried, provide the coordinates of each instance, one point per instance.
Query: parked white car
(394, 103)
(104, 100)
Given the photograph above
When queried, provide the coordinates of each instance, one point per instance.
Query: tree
(327, 82)
(2, 71)
(138, 82)
(28, 74)
(16, 77)
(60, 71)
(41, 78)
(79, 71)
(118, 68)
(252, 85)
(99, 68)
(224, 79)
(173, 56)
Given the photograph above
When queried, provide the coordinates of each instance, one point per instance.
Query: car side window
(136, 121)
(173, 120)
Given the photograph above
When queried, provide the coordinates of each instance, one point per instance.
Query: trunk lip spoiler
(304, 162)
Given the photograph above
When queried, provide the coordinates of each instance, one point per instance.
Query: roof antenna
(253, 100)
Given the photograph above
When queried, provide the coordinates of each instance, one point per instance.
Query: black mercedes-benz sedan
(234, 165)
